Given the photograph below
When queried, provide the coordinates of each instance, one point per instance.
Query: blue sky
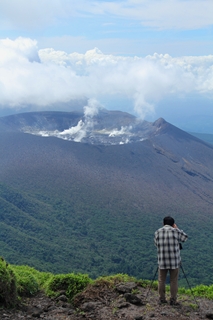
(150, 58)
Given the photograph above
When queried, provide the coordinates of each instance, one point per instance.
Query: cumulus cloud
(19, 50)
(29, 76)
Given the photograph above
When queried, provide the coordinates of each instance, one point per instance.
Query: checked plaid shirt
(167, 241)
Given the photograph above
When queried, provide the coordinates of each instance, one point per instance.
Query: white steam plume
(78, 132)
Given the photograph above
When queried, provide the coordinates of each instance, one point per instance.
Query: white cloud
(19, 50)
(45, 77)
(163, 14)
(31, 14)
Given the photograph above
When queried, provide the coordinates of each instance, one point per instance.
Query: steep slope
(68, 206)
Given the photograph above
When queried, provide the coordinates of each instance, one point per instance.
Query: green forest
(56, 236)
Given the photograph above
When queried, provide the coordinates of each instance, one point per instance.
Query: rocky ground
(127, 301)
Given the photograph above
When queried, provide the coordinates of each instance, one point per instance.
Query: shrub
(27, 285)
(71, 283)
(112, 280)
(8, 291)
(29, 280)
(120, 277)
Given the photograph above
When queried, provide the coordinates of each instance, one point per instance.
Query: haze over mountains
(86, 191)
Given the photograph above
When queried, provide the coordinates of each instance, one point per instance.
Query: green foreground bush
(29, 280)
(70, 283)
(19, 281)
(199, 291)
(8, 290)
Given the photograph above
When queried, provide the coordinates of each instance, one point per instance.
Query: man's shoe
(173, 302)
(162, 301)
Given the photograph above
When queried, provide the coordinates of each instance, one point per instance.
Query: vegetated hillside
(68, 206)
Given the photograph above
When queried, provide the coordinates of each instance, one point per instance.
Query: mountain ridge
(57, 121)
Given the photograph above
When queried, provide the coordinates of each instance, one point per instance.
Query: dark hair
(169, 221)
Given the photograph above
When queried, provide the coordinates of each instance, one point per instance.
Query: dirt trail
(127, 301)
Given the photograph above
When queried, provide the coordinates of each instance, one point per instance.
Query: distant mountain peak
(159, 123)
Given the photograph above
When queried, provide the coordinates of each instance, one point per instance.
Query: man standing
(167, 241)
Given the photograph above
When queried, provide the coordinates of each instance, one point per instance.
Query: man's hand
(175, 226)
